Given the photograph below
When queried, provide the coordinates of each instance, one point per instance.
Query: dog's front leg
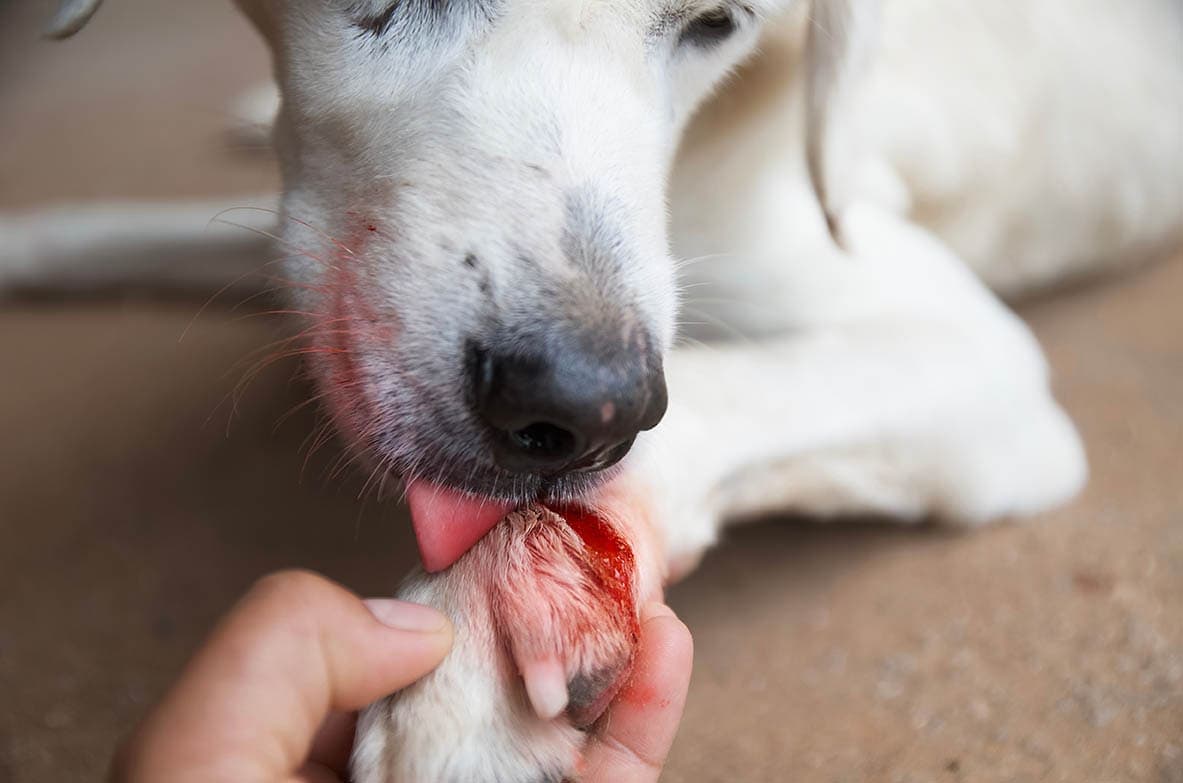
(909, 391)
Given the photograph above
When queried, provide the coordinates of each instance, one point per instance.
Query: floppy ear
(841, 38)
(71, 16)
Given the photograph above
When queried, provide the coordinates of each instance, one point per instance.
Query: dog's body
(977, 148)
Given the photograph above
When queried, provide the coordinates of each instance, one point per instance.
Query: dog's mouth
(448, 520)
(458, 485)
(454, 497)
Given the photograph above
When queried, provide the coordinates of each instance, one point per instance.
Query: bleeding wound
(563, 598)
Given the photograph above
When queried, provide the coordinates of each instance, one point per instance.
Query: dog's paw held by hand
(545, 609)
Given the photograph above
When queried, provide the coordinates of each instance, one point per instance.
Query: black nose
(563, 407)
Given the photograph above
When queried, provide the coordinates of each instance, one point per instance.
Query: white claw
(546, 685)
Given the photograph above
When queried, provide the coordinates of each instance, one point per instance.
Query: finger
(635, 736)
(314, 773)
(334, 741)
(295, 648)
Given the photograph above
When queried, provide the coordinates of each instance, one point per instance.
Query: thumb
(298, 646)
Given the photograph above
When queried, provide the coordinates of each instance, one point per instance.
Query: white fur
(1001, 145)
(519, 594)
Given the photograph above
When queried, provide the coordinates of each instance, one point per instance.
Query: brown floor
(132, 511)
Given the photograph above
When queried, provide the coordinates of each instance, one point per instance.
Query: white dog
(485, 200)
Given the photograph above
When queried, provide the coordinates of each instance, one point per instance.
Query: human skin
(271, 695)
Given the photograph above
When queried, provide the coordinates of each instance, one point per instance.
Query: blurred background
(134, 507)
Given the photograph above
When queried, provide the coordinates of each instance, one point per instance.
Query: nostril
(545, 441)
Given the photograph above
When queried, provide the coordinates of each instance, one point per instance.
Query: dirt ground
(134, 508)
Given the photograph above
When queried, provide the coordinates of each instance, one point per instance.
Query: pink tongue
(447, 523)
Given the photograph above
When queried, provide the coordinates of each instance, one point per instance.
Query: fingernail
(404, 616)
(655, 609)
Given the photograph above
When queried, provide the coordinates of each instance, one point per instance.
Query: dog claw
(546, 686)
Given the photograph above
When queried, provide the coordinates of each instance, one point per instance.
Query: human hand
(633, 738)
(270, 696)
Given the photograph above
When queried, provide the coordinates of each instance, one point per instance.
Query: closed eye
(378, 24)
(709, 29)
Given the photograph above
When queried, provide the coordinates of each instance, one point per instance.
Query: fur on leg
(546, 615)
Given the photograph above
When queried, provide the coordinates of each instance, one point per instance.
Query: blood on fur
(609, 556)
(354, 321)
(566, 591)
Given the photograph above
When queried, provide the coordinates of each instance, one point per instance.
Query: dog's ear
(71, 16)
(841, 38)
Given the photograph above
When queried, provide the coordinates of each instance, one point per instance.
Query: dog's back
(1040, 139)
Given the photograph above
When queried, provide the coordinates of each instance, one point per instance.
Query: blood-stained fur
(546, 614)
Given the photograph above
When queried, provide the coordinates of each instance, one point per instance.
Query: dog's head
(474, 210)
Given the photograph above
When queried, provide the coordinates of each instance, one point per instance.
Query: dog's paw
(1018, 463)
(545, 609)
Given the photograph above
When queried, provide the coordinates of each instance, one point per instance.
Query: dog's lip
(448, 522)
